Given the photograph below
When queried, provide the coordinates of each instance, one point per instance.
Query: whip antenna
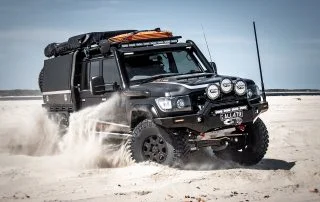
(261, 77)
(205, 38)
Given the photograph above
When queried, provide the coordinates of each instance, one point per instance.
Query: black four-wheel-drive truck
(172, 98)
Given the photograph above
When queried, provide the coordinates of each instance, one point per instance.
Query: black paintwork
(57, 73)
(138, 99)
(210, 121)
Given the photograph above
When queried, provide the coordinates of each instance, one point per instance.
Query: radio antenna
(205, 38)
(261, 77)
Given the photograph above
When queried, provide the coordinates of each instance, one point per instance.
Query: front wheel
(253, 150)
(150, 142)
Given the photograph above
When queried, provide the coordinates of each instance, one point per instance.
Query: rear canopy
(57, 73)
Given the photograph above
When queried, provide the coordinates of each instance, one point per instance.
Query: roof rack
(100, 42)
(149, 42)
(104, 49)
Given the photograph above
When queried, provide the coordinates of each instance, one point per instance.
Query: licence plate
(231, 115)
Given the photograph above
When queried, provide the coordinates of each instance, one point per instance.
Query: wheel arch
(140, 113)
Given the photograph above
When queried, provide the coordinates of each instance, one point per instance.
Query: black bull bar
(209, 119)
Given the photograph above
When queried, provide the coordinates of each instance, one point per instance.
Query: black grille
(200, 98)
(224, 101)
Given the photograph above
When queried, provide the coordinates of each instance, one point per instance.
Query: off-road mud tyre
(255, 148)
(40, 80)
(176, 145)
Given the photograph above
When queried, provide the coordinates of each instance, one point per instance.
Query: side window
(95, 70)
(163, 58)
(185, 62)
(84, 73)
(110, 71)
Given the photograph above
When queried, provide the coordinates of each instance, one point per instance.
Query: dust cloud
(82, 140)
(29, 131)
(204, 159)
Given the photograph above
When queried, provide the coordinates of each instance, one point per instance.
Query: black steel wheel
(155, 149)
(150, 142)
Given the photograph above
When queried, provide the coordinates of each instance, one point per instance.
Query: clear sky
(288, 34)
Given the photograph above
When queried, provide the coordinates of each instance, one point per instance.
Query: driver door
(90, 69)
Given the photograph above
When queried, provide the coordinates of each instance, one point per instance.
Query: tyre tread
(179, 143)
(260, 131)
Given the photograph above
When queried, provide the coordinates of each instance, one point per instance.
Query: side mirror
(97, 86)
(104, 47)
(213, 65)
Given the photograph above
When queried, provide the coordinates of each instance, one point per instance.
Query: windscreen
(147, 65)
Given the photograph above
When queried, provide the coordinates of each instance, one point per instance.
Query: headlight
(169, 104)
(164, 103)
(181, 103)
(213, 91)
(226, 85)
(253, 92)
(240, 87)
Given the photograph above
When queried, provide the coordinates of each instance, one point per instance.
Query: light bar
(149, 43)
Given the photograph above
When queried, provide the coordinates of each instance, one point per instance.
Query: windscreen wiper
(196, 74)
(159, 76)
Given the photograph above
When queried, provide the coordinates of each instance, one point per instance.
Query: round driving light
(213, 91)
(181, 103)
(226, 85)
(240, 87)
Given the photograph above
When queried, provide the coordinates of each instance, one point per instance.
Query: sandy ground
(290, 170)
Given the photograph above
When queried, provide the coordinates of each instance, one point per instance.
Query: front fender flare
(140, 112)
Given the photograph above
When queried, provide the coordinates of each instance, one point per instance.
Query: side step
(113, 136)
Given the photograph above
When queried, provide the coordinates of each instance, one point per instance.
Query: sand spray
(29, 131)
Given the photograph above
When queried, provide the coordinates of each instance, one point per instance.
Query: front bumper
(205, 120)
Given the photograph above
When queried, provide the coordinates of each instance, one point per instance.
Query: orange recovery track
(137, 36)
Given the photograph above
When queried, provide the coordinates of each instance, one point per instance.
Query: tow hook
(241, 127)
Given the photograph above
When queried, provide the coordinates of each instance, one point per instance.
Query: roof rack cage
(95, 49)
(148, 42)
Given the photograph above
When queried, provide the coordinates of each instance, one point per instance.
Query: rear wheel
(254, 148)
(150, 142)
